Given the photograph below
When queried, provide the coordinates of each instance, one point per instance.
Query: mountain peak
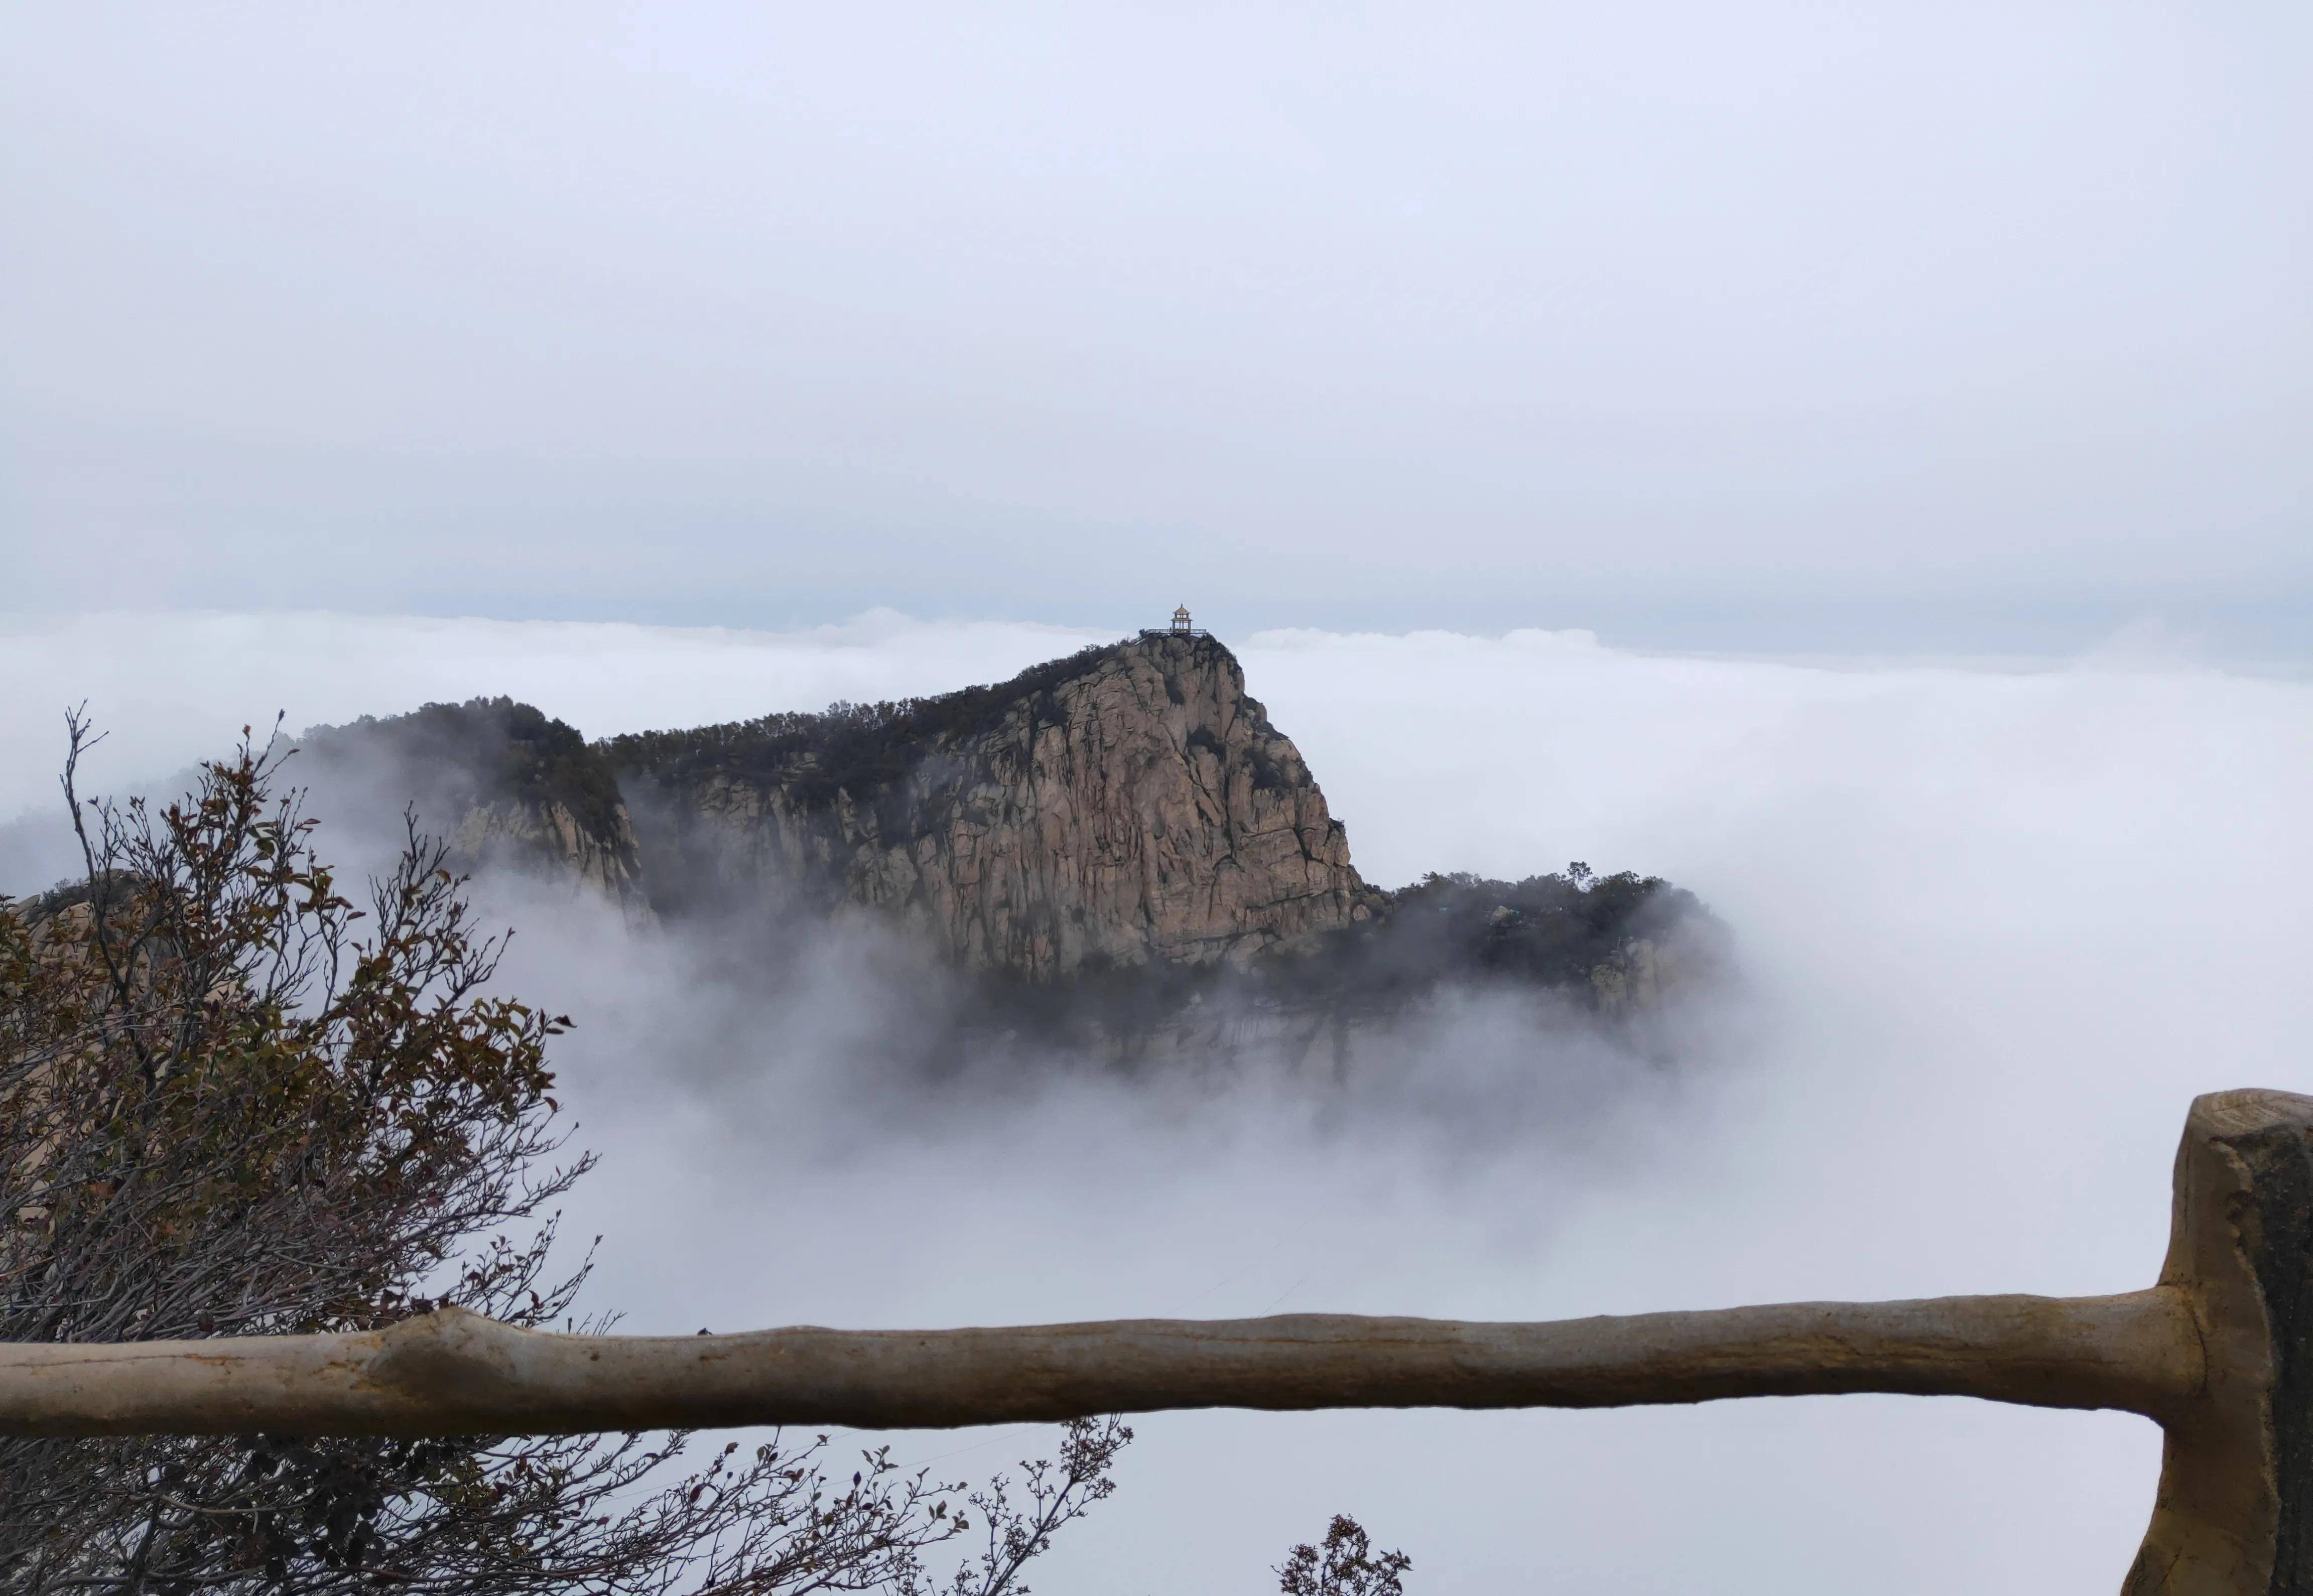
(1126, 804)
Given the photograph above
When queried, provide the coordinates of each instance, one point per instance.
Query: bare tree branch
(233, 1105)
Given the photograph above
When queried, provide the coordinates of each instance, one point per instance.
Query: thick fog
(1870, 325)
(1995, 928)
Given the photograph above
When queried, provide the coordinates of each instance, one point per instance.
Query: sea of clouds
(1996, 926)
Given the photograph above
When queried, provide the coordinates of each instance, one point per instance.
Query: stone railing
(2218, 1352)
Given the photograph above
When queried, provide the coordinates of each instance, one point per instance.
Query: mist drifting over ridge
(1997, 928)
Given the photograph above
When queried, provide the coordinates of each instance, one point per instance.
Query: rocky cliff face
(547, 836)
(1128, 805)
(1126, 812)
(504, 785)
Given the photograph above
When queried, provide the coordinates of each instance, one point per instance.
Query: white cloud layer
(1997, 927)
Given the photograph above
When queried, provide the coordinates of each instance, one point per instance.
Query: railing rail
(2219, 1351)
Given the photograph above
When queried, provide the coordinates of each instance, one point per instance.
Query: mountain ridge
(1128, 807)
(1129, 803)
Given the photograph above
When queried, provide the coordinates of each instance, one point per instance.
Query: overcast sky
(1774, 325)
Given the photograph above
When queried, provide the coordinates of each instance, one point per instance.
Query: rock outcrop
(1127, 805)
(504, 785)
(1125, 823)
(546, 835)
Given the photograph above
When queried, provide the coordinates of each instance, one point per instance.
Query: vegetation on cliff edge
(859, 749)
